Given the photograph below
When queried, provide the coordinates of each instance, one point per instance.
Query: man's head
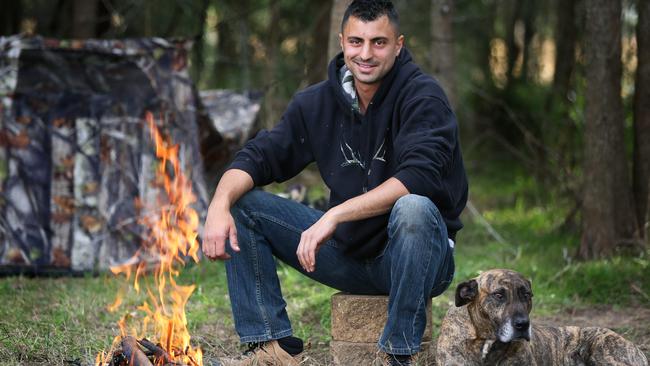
(370, 39)
(369, 10)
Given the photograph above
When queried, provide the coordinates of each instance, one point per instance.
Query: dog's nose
(521, 323)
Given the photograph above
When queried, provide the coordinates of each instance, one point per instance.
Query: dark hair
(370, 10)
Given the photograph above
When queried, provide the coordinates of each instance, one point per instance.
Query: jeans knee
(414, 213)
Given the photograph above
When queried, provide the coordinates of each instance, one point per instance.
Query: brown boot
(268, 354)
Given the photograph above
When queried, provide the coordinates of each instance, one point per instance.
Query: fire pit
(143, 352)
(171, 227)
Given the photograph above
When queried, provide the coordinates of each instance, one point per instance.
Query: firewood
(133, 353)
(158, 352)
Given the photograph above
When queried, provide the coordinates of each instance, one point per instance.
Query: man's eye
(380, 43)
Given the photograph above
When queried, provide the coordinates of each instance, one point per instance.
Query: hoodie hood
(403, 69)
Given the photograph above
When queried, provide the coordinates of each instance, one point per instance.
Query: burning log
(158, 352)
(133, 353)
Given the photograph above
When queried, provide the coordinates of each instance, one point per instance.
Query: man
(386, 143)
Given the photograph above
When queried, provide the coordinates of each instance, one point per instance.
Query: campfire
(156, 332)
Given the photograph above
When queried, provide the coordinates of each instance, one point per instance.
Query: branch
(483, 221)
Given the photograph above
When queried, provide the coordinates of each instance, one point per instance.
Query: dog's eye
(498, 295)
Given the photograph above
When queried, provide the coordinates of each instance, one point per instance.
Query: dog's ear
(466, 292)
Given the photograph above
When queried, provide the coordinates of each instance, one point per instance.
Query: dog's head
(499, 303)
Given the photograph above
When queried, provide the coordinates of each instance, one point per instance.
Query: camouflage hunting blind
(75, 153)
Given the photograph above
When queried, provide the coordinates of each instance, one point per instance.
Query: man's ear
(466, 292)
(400, 44)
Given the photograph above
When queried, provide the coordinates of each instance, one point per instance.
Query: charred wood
(133, 353)
(158, 352)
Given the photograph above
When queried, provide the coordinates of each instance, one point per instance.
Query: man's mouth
(365, 66)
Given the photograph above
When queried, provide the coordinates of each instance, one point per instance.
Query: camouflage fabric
(76, 157)
(233, 117)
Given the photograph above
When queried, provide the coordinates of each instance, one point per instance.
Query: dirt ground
(631, 322)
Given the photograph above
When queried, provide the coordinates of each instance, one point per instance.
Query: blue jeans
(416, 264)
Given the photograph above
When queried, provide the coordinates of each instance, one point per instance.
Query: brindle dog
(490, 325)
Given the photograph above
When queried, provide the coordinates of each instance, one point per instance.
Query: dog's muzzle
(515, 328)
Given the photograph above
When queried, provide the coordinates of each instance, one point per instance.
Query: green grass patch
(50, 321)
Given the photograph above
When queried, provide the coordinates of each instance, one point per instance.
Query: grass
(536, 246)
(54, 320)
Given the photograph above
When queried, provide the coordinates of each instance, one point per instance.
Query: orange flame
(171, 236)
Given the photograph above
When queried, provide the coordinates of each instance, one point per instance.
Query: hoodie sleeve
(278, 154)
(424, 147)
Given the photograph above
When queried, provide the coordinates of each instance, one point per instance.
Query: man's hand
(375, 202)
(219, 226)
(311, 240)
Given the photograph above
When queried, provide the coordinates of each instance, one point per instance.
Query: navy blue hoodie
(408, 132)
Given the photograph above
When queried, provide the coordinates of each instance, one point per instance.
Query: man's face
(370, 48)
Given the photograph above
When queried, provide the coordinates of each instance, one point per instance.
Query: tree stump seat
(357, 324)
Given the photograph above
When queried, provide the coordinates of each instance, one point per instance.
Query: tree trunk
(529, 31)
(227, 71)
(563, 138)
(243, 29)
(646, 227)
(58, 25)
(198, 61)
(147, 15)
(485, 36)
(271, 107)
(565, 40)
(511, 40)
(443, 56)
(84, 19)
(607, 208)
(11, 13)
(642, 117)
(338, 9)
(317, 68)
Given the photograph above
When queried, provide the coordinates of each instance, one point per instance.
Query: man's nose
(366, 51)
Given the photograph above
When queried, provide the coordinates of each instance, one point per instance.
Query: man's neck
(365, 92)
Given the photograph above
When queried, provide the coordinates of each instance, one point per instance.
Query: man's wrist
(220, 204)
(334, 214)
